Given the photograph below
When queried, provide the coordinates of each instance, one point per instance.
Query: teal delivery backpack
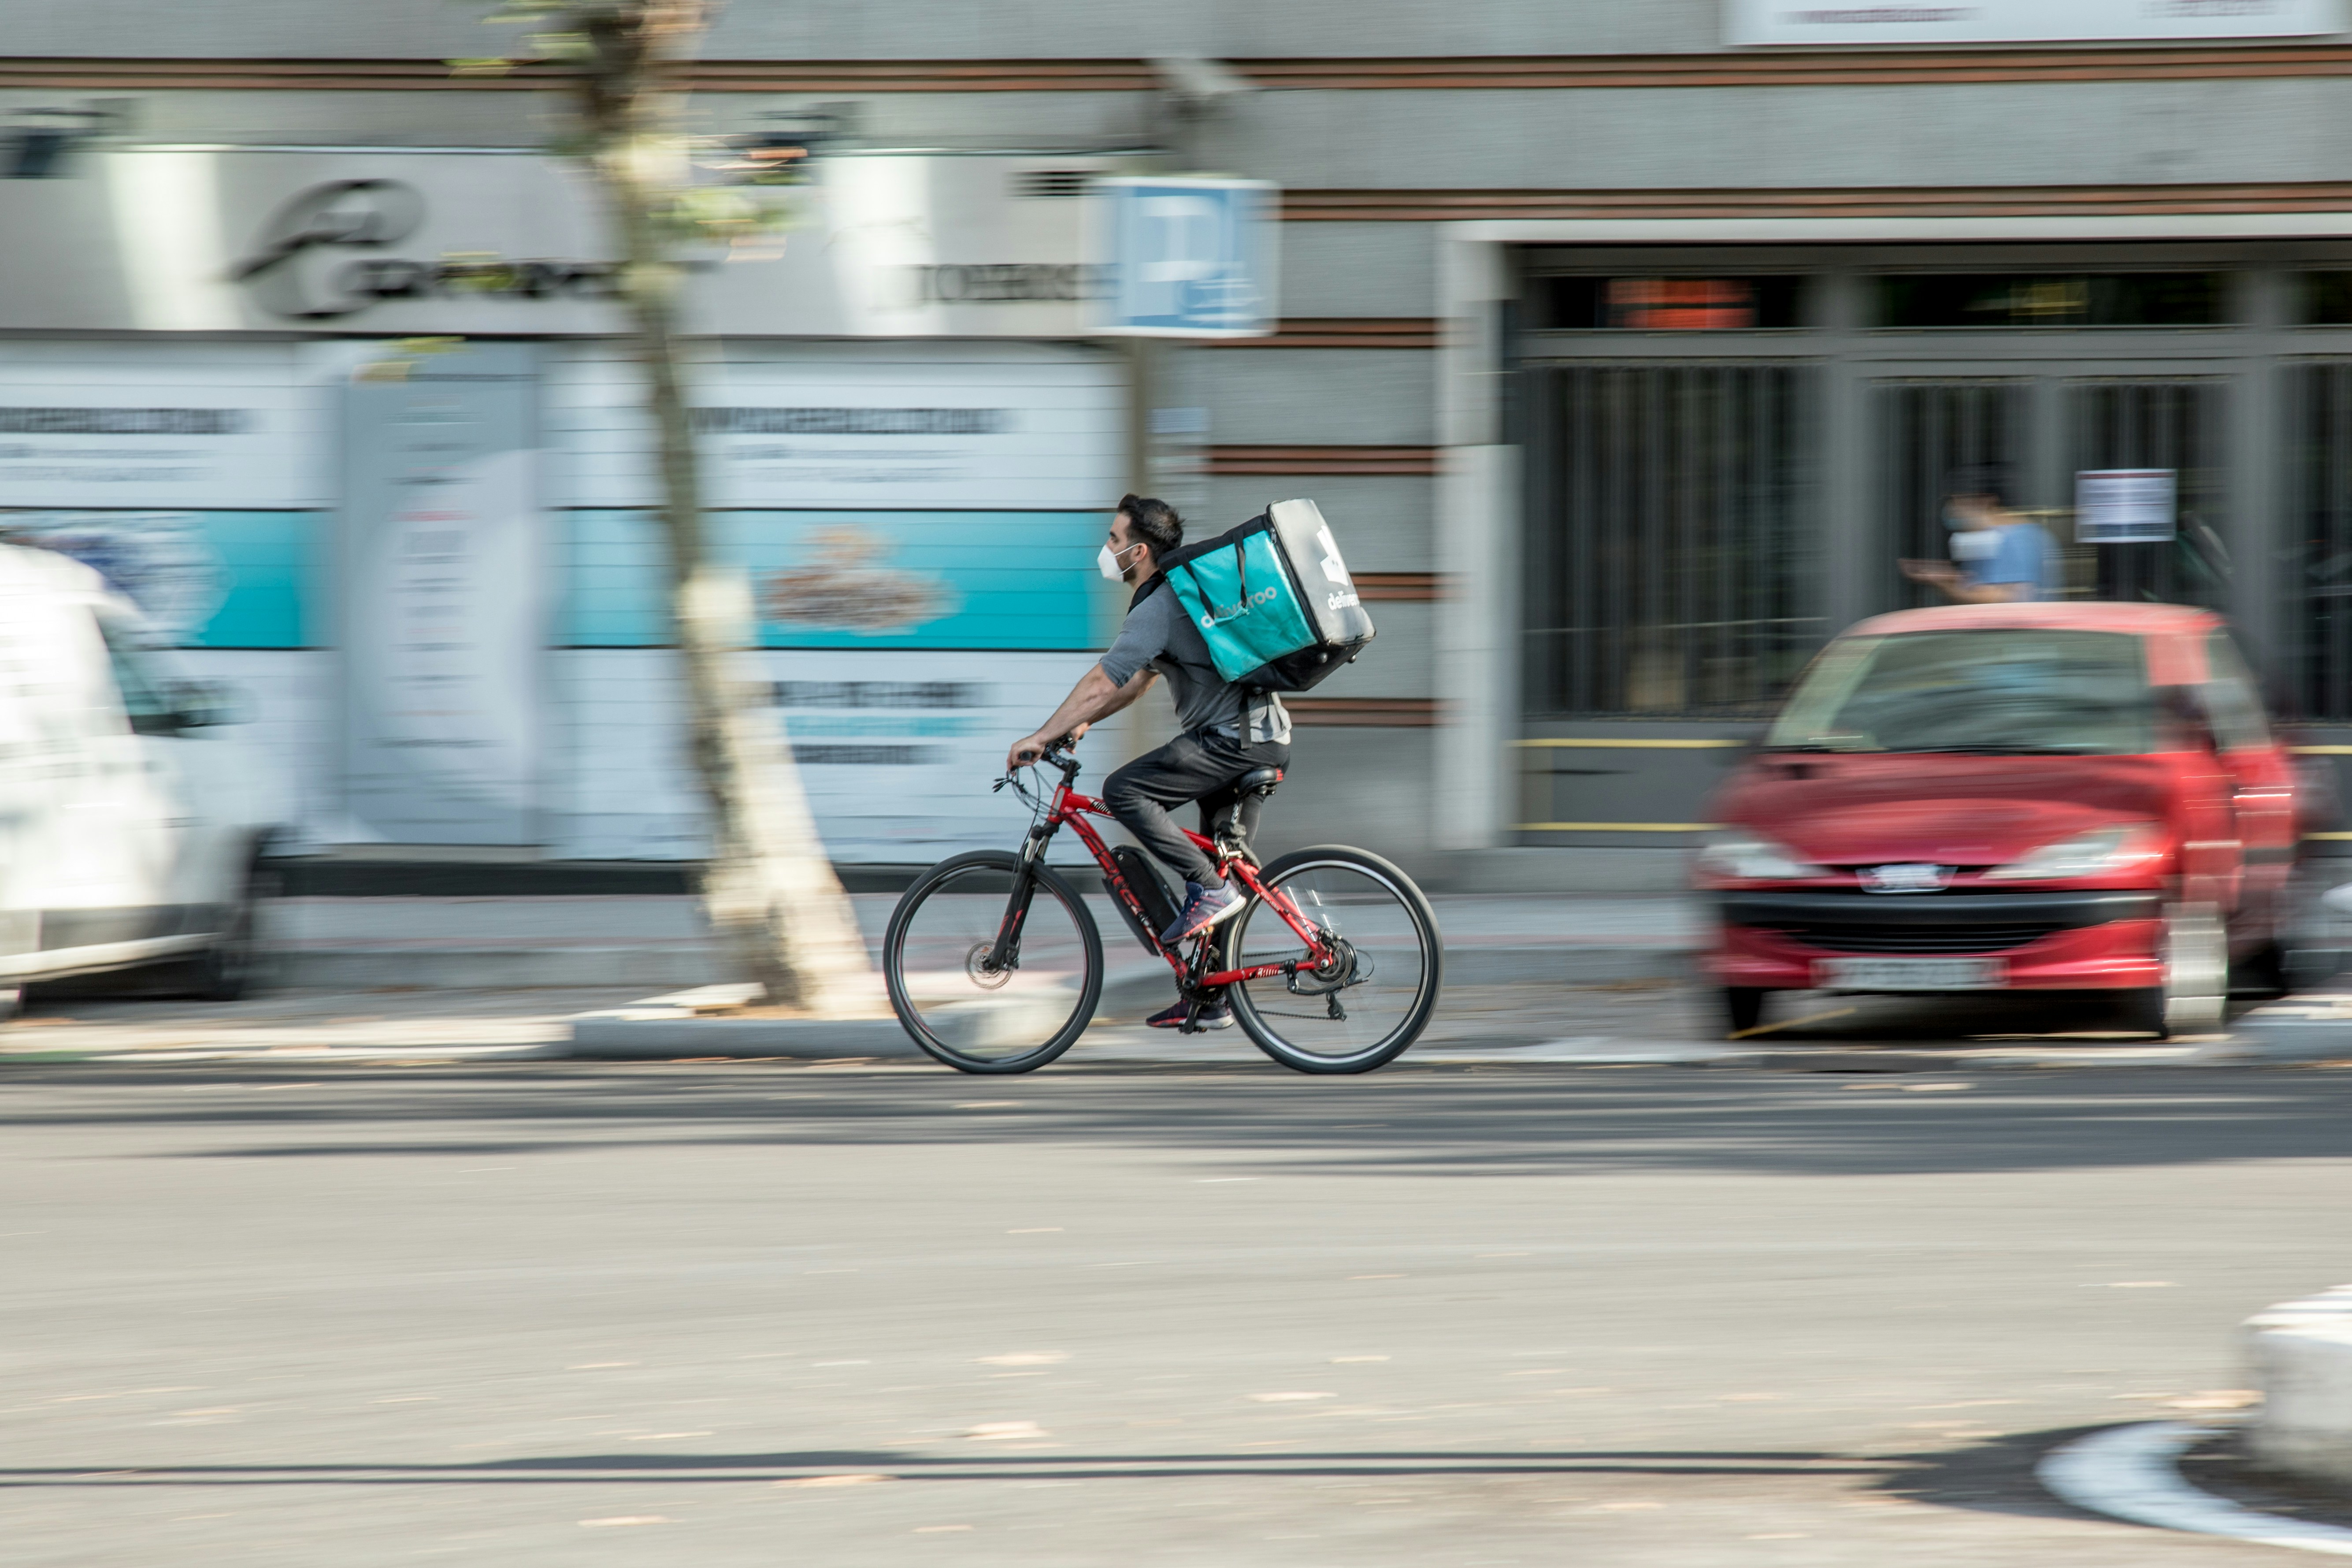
(1273, 599)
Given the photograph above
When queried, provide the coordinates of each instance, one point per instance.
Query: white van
(131, 824)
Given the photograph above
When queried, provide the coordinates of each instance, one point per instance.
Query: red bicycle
(1330, 967)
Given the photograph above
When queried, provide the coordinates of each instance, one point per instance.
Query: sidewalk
(658, 942)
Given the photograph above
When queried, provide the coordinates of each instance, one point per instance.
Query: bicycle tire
(902, 1002)
(1259, 1025)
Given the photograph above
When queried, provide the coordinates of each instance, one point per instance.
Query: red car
(2011, 797)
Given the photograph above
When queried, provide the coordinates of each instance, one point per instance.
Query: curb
(2127, 1472)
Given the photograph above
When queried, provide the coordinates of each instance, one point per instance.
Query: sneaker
(1215, 1018)
(1204, 907)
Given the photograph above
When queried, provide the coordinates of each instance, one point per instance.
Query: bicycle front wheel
(974, 1018)
(1375, 1001)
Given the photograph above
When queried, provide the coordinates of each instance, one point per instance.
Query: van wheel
(2195, 994)
(231, 968)
(1743, 1008)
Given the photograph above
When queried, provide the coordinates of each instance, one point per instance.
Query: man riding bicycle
(1228, 730)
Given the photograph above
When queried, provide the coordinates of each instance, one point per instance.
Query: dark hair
(1998, 480)
(1154, 522)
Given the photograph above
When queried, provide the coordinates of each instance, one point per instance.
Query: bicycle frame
(1071, 809)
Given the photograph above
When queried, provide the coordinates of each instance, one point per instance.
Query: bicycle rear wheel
(1376, 1001)
(973, 1019)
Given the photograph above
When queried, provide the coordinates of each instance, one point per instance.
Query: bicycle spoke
(1385, 980)
(970, 1010)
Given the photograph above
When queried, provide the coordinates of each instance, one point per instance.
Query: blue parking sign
(1186, 257)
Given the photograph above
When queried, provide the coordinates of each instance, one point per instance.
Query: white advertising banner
(443, 573)
(2021, 21)
(897, 751)
(962, 427)
(135, 426)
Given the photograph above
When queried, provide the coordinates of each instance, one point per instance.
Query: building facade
(1626, 344)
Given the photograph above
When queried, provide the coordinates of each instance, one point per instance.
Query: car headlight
(2100, 853)
(1751, 856)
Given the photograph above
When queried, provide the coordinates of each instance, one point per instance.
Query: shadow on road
(1478, 1121)
(1993, 1475)
(737, 1468)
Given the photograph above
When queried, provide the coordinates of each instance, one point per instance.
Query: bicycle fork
(1004, 952)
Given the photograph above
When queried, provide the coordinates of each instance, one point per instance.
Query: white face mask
(1106, 561)
(1976, 545)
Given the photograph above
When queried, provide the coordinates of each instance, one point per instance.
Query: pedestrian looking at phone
(1999, 555)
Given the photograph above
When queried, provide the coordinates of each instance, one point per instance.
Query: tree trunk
(771, 894)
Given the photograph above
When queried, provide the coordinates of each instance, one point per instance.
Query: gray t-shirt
(1159, 633)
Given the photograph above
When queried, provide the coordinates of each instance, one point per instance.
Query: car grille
(1841, 937)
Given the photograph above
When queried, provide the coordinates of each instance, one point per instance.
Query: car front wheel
(231, 967)
(2195, 994)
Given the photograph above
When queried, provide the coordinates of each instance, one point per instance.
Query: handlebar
(1057, 754)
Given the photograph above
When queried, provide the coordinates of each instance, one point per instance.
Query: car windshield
(2000, 691)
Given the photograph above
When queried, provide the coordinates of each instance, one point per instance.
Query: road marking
(2127, 1472)
(854, 1480)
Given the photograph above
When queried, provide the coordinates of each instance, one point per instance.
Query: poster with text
(441, 568)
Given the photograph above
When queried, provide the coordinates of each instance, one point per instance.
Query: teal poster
(851, 579)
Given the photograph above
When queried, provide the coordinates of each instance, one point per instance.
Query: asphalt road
(536, 1312)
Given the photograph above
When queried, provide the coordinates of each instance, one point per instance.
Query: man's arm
(1948, 581)
(1123, 675)
(1986, 593)
(1994, 593)
(1094, 699)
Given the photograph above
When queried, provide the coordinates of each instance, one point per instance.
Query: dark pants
(1200, 766)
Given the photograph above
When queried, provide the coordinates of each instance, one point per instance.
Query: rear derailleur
(1345, 967)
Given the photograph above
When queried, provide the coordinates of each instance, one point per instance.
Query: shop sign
(400, 243)
(302, 264)
(998, 283)
(2021, 21)
(1186, 258)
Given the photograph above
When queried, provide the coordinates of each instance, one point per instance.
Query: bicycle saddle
(1258, 780)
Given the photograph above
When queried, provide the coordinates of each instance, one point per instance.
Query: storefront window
(1668, 304)
(2325, 299)
(1671, 568)
(2021, 300)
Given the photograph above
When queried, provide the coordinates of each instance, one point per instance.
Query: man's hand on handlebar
(1029, 748)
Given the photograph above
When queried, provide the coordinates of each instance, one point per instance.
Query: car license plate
(1910, 974)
